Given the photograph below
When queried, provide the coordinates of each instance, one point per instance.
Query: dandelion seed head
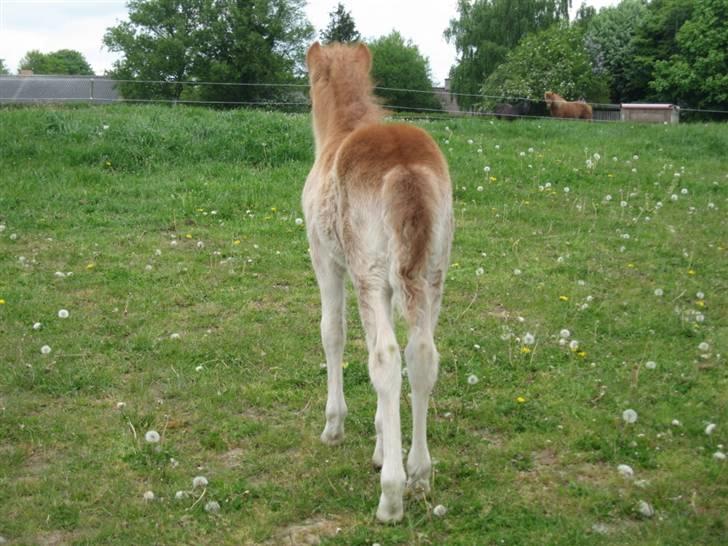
(563, 342)
(608, 197)
(567, 189)
(629, 416)
(719, 456)
(645, 508)
(684, 191)
(650, 364)
(148, 496)
(199, 481)
(574, 344)
(37, 326)
(674, 197)
(564, 333)
(152, 437)
(517, 272)
(480, 271)
(46, 349)
(212, 507)
(174, 335)
(676, 423)
(704, 346)
(659, 292)
(181, 495)
(479, 188)
(299, 221)
(486, 169)
(700, 295)
(710, 429)
(625, 470)
(439, 510)
(472, 379)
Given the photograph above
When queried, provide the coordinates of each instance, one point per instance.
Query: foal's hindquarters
(382, 210)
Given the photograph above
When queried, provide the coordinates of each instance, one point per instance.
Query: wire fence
(285, 96)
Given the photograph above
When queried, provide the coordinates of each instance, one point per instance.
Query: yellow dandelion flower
(188, 236)
(493, 179)
(2, 301)
(521, 400)
(90, 266)
(564, 298)
(236, 242)
(344, 365)
(525, 350)
(630, 265)
(581, 354)
(456, 264)
(691, 272)
(700, 303)
(273, 209)
(200, 210)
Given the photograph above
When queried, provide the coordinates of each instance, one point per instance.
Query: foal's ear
(314, 55)
(364, 55)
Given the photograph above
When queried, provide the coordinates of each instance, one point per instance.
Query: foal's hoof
(390, 512)
(332, 437)
(418, 487)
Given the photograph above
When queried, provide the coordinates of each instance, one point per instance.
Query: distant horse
(512, 111)
(561, 108)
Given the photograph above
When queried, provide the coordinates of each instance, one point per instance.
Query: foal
(561, 108)
(378, 205)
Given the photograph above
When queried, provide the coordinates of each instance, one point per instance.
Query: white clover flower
(212, 507)
(704, 346)
(480, 271)
(719, 456)
(645, 508)
(470, 141)
(676, 423)
(472, 379)
(497, 146)
(175, 335)
(37, 326)
(710, 428)
(480, 150)
(46, 349)
(530, 150)
(152, 437)
(574, 344)
(625, 470)
(529, 339)
(439, 510)
(199, 481)
(486, 169)
(522, 154)
(635, 157)
(517, 271)
(650, 364)
(629, 416)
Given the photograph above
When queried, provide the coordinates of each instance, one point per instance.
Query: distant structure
(448, 102)
(29, 88)
(650, 113)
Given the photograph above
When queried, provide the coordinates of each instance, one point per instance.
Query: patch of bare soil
(310, 532)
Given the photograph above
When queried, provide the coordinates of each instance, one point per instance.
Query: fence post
(93, 83)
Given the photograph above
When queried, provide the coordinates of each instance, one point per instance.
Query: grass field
(170, 237)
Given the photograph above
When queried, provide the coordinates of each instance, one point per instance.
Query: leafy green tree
(698, 74)
(63, 61)
(655, 40)
(3, 68)
(398, 64)
(341, 27)
(609, 39)
(225, 41)
(551, 60)
(486, 30)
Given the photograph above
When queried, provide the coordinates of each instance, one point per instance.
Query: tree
(341, 27)
(251, 42)
(398, 64)
(63, 61)
(698, 74)
(609, 39)
(486, 30)
(654, 40)
(3, 68)
(551, 60)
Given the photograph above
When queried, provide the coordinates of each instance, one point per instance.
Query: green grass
(239, 397)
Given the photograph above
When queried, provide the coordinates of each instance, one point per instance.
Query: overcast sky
(50, 25)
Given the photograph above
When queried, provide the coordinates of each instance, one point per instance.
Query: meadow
(589, 277)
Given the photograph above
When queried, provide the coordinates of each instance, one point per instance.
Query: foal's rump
(397, 171)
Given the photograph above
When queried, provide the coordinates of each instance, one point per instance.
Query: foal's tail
(411, 202)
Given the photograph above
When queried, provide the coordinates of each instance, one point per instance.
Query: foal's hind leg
(330, 277)
(385, 365)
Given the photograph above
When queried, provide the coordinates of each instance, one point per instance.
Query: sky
(50, 25)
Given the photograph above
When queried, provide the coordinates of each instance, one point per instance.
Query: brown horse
(561, 108)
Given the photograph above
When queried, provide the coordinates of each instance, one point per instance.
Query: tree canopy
(398, 64)
(251, 42)
(63, 61)
(551, 60)
(341, 27)
(3, 68)
(486, 30)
